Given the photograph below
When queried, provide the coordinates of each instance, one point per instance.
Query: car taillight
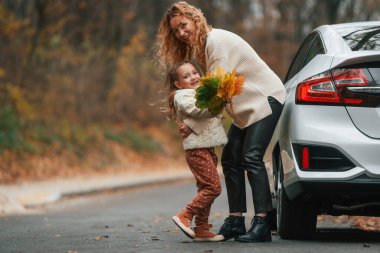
(317, 89)
(320, 158)
(330, 87)
(349, 78)
(305, 158)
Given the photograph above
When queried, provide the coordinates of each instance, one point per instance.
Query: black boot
(259, 231)
(233, 226)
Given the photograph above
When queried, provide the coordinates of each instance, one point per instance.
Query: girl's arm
(185, 102)
(197, 126)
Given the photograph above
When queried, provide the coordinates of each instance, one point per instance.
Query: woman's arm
(216, 54)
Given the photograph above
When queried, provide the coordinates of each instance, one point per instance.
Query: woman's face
(183, 29)
(188, 77)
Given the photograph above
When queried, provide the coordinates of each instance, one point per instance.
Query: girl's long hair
(171, 78)
(169, 50)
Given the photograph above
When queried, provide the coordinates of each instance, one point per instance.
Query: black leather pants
(244, 152)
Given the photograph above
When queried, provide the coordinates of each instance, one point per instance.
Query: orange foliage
(231, 84)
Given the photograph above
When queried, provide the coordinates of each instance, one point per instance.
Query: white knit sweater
(212, 132)
(228, 50)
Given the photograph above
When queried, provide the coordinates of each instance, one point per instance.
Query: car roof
(346, 25)
(334, 43)
(355, 24)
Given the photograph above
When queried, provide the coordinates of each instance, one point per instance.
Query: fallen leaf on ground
(154, 238)
(366, 223)
(101, 237)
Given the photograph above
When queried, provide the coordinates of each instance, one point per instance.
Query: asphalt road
(139, 220)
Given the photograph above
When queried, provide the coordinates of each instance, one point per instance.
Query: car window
(316, 49)
(361, 38)
(300, 56)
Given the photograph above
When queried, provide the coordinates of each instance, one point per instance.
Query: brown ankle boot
(202, 234)
(183, 221)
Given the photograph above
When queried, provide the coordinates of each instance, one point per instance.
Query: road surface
(139, 220)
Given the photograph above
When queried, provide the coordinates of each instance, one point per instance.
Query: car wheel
(295, 220)
(272, 218)
(272, 215)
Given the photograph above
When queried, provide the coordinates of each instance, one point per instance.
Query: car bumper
(359, 196)
(362, 187)
(303, 129)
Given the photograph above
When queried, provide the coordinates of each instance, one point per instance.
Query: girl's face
(188, 77)
(183, 29)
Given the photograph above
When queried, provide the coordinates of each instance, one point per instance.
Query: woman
(184, 34)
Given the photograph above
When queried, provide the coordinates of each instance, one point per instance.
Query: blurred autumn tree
(74, 73)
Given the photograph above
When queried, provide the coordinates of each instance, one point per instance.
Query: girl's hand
(184, 130)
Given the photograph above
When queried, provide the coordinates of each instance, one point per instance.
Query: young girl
(182, 80)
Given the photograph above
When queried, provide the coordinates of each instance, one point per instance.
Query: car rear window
(361, 38)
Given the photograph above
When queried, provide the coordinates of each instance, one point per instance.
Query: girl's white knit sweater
(228, 50)
(212, 132)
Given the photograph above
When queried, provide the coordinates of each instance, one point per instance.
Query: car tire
(295, 220)
(272, 215)
(272, 218)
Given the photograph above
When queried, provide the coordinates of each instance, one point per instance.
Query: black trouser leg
(233, 170)
(257, 138)
(245, 151)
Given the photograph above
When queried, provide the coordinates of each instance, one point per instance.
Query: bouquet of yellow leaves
(217, 89)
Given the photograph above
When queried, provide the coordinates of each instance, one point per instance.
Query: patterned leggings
(202, 163)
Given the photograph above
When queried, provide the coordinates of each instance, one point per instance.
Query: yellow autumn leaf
(227, 85)
(219, 72)
(239, 85)
(231, 84)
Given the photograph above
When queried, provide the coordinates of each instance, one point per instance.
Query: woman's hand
(184, 130)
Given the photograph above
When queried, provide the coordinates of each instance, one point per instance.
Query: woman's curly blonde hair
(170, 50)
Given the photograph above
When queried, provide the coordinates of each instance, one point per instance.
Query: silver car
(324, 157)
